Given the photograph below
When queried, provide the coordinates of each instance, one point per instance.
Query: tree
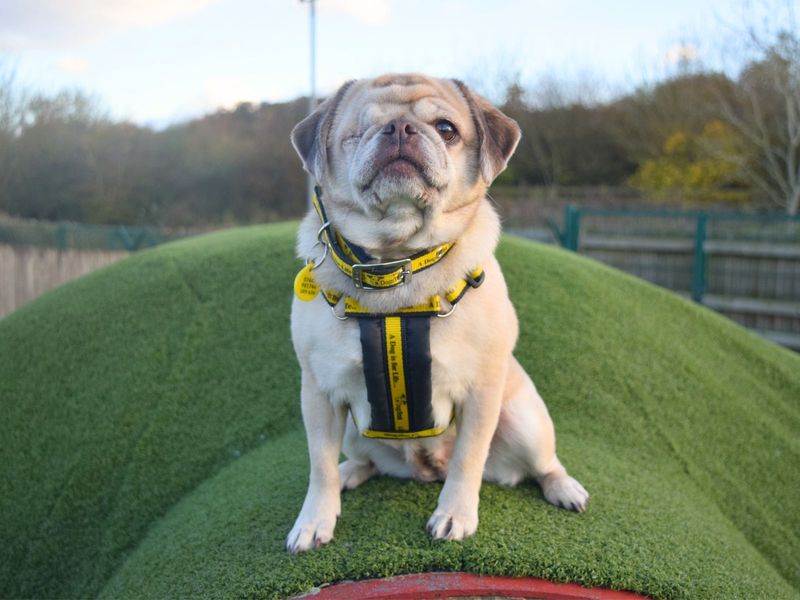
(11, 113)
(690, 166)
(766, 113)
(53, 161)
(686, 101)
(568, 137)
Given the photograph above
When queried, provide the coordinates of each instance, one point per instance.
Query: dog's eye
(447, 130)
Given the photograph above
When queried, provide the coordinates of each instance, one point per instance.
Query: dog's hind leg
(353, 473)
(368, 457)
(358, 467)
(524, 445)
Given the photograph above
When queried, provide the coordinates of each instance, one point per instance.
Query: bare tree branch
(768, 117)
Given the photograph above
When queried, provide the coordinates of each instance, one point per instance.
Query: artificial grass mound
(152, 445)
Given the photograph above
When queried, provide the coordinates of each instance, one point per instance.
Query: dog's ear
(310, 136)
(498, 134)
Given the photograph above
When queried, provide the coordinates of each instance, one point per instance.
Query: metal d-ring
(342, 318)
(317, 263)
(448, 313)
(325, 225)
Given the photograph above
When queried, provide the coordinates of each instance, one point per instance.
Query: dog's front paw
(311, 531)
(455, 524)
(566, 492)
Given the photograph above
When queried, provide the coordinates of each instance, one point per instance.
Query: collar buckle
(405, 274)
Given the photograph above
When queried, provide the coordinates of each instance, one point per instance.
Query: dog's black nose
(399, 128)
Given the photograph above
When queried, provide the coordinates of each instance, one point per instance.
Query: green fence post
(699, 266)
(572, 226)
(61, 237)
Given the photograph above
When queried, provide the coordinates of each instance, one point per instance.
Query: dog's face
(403, 150)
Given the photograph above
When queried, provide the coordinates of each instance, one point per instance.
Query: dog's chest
(335, 356)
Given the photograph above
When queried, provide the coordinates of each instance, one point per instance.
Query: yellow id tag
(305, 286)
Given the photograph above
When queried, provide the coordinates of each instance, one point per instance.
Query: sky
(158, 62)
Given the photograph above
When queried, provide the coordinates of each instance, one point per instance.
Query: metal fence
(79, 236)
(746, 266)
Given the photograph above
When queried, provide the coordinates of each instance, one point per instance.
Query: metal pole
(699, 266)
(572, 227)
(61, 237)
(312, 98)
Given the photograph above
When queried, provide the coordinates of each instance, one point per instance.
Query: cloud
(371, 12)
(26, 24)
(209, 95)
(72, 64)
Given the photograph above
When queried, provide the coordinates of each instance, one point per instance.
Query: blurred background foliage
(696, 166)
(699, 135)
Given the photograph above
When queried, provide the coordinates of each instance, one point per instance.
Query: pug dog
(403, 163)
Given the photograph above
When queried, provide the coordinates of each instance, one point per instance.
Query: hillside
(153, 445)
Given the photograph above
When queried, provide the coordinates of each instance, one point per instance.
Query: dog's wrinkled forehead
(376, 102)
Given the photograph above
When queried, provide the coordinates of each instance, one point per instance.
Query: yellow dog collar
(359, 266)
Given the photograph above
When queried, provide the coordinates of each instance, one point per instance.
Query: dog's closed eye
(353, 138)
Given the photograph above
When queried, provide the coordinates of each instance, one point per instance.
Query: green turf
(151, 442)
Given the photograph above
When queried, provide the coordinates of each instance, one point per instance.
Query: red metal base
(453, 585)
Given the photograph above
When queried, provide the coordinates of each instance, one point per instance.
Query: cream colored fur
(502, 431)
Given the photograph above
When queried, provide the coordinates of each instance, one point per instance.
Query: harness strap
(397, 371)
(433, 307)
(397, 362)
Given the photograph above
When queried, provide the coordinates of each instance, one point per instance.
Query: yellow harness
(396, 345)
